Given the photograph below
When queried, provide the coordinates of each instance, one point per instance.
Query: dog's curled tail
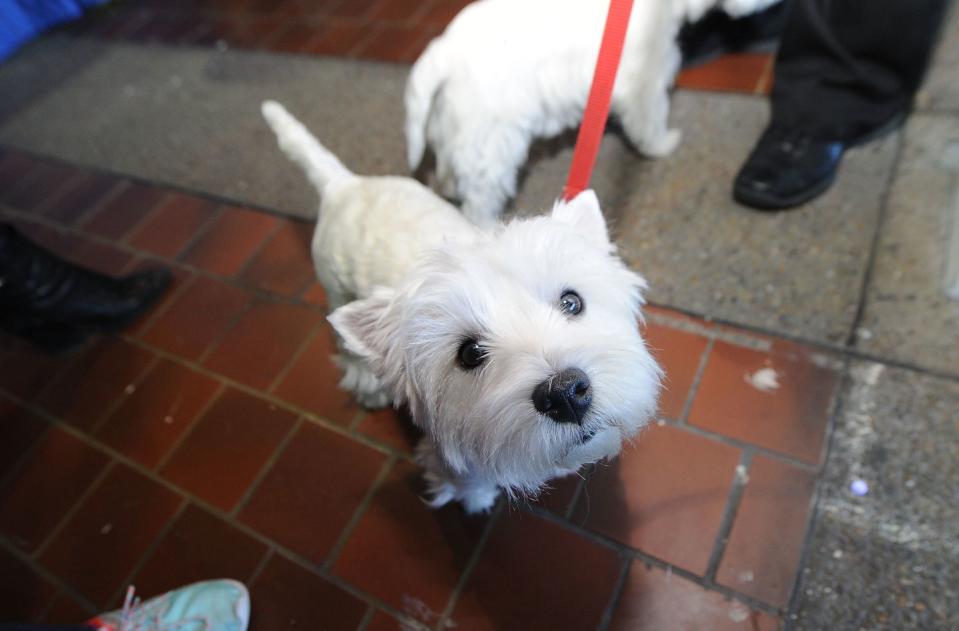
(322, 168)
(428, 73)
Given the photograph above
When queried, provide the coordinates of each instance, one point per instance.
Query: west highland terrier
(506, 72)
(517, 349)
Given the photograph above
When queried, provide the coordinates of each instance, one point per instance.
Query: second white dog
(517, 349)
(506, 72)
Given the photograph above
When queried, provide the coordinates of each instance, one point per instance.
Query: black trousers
(846, 67)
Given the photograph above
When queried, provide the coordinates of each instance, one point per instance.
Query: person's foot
(786, 168)
(55, 304)
(221, 605)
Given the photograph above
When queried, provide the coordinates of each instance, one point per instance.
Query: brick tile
(24, 594)
(255, 33)
(59, 469)
(284, 265)
(228, 447)
(158, 412)
(403, 550)
(286, 596)
(312, 490)
(762, 556)
(100, 257)
(20, 429)
(199, 547)
(121, 214)
(86, 389)
(665, 496)
(393, 427)
(109, 534)
(788, 414)
(172, 225)
(382, 621)
(354, 9)
(395, 43)
(24, 372)
(442, 11)
(198, 316)
(398, 10)
(534, 574)
(734, 72)
(263, 342)
(315, 295)
(232, 238)
(294, 38)
(679, 354)
(47, 181)
(653, 598)
(81, 197)
(311, 382)
(338, 38)
(67, 610)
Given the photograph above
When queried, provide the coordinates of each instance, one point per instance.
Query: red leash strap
(600, 93)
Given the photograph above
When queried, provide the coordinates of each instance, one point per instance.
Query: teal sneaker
(221, 605)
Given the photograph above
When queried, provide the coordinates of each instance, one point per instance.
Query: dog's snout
(564, 397)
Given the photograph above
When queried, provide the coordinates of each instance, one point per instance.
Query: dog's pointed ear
(583, 213)
(363, 324)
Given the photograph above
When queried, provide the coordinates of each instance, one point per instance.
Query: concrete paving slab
(190, 117)
(907, 314)
(887, 559)
(799, 272)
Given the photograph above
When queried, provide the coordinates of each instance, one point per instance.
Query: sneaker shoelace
(139, 616)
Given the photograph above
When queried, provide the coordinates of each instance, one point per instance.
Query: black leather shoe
(56, 305)
(786, 168)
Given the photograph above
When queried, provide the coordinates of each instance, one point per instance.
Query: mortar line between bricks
(444, 619)
(111, 408)
(295, 357)
(225, 330)
(267, 238)
(218, 513)
(733, 500)
(136, 228)
(349, 527)
(268, 555)
(649, 559)
(265, 469)
(120, 187)
(307, 415)
(581, 484)
(73, 510)
(851, 337)
(11, 548)
(743, 445)
(205, 226)
(615, 596)
(812, 515)
(148, 552)
(58, 192)
(172, 449)
(697, 379)
(367, 617)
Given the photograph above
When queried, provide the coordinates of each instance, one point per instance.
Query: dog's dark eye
(570, 303)
(471, 354)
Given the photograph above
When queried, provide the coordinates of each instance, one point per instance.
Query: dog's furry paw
(373, 400)
(664, 145)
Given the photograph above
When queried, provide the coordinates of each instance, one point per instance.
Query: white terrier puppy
(506, 72)
(517, 349)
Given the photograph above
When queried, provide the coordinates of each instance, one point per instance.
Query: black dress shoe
(56, 305)
(786, 168)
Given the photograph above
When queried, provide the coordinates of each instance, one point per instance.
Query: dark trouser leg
(846, 67)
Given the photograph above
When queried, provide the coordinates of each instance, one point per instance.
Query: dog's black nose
(565, 397)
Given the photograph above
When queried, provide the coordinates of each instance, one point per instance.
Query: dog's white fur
(409, 279)
(506, 72)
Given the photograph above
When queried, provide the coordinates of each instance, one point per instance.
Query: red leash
(600, 93)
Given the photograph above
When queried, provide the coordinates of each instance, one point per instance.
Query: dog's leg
(486, 175)
(443, 486)
(360, 380)
(643, 104)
